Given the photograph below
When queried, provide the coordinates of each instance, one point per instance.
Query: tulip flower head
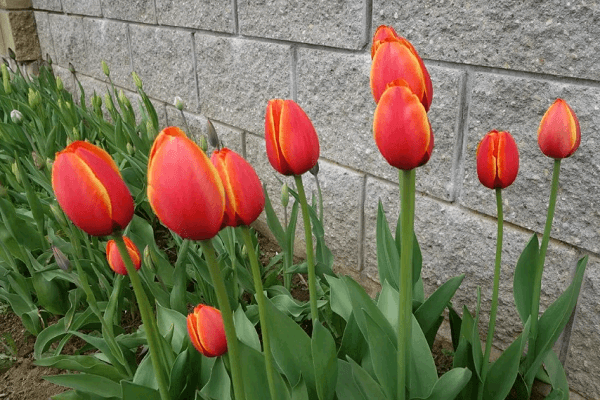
(244, 195)
(90, 190)
(559, 134)
(395, 58)
(497, 160)
(115, 261)
(184, 188)
(206, 330)
(401, 128)
(291, 139)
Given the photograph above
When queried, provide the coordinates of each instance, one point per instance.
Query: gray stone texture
(164, 61)
(456, 241)
(83, 7)
(553, 37)
(44, 35)
(69, 40)
(213, 15)
(197, 124)
(583, 361)
(130, 10)
(15, 4)
(110, 43)
(237, 78)
(51, 5)
(334, 23)
(517, 105)
(334, 91)
(19, 34)
(67, 78)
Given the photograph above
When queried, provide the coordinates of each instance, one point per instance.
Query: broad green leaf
(388, 258)
(254, 374)
(299, 391)
(94, 384)
(354, 344)
(423, 374)
(168, 319)
(524, 279)
(367, 386)
(384, 358)
(273, 221)
(556, 372)
(180, 374)
(133, 391)
(450, 384)
(387, 302)
(428, 313)
(324, 361)
(88, 364)
(245, 330)
(347, 387)
(340, 297)
(144, 374)
(417, 256)
(219, 384)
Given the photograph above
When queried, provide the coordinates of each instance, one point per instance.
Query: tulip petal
(559, 134)
(272, 125)
(297, 138)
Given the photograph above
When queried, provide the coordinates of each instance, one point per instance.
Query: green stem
(312, 279)
(224, 306)
(537, 289)
(494, 310)
(320, 198)
(262, 311)
(407, 216)
(147, 318)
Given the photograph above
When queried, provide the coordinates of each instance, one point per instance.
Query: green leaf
(168, 319)
(524, 279)
(367, 386)
(353, 344)
(347, 388)
(450, 384)
(387, 302)
(87, 383)
(272, 220)
(88, 364)
(144, 374)
(324, 361)
(423, 373)
(388, 258)
(556, 372)
(384, 358)
(245, 330)
(256, 384)
(429, 312)
(133, 391)
(340, 297)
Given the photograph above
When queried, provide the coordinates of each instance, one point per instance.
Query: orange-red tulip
(115, 261)
(244, 195)
(184, 188)
(90, 190)
(497, 160)
(292, 142)
(559, 134)
(401, 128)
(395, 58)
(206, 330)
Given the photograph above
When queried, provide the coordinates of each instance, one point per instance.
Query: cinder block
(19, 34)
(551, 37)
(131, 10)
(456, 241)
(51, 5)
(110, 43)
(517, 105)
(15, 4)
(334, 90)
(69, 40)
(164, 61)
(197, 124)
(83, 7)
(583, 360)
(213, 15)
(335, 24)
(44, 35)
(237, 78)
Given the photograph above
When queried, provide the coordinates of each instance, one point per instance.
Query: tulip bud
(213, 138)
(497, 160)
(38, 161)
(148, 259)
(203, 144)
(34, 98)
(90, 189)
(113, 256)
(129, 148)
(559, 134)
(59, 84)
(108, 102)
(97, 102)
(285, 195)
(123, 99)
(244, 251)
(136, 80)
(105, 68)
(150, 128)
(15, 170)
(6, 79)
(71, 68)
(75, 133)
(16, 116)
(179, 104)
(61, 259)
(58, 214)
(291, 140)
(206, 330)
(11, 53)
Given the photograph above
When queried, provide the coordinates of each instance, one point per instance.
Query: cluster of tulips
(196, 196)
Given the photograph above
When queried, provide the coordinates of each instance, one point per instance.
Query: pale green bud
(6, 79)
(38, 161)
(129, 148)
(61, 259)
(16, 116)
(108, 102)
(179, 104)
(136, 80)
(105, 68)
(15, 170)
(285, 195)
(59, 84)
(203, 144)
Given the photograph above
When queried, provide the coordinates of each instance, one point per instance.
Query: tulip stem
(262, 311)
(494, 310)
(537, 288)
(407, 217)
(312, 279)
(147, 318)
(225, 308)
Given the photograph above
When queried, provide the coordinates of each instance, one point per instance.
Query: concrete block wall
(493, 66)
(17, 30)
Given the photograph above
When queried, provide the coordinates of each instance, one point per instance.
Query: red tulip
(90, 190)
(244, 195)
(114, 257)
(559, 134)
(395, 58)
(401, 128)
(497, 160)
(292, 142)
(184, 188)
(206, 330)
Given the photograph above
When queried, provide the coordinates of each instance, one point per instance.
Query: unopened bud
(314, 170)
(16, 116)
(148, 259)
(285, 195)
(129, 148)
(179, 104)
(136, 80)
(38, 161)
(108, 102)
(71, 68)
(49, 163)
(59, 84)
(97, 101)
(244, 251)
(105, 68)
(203, 143)
(61, 259)
(123, 99)
(15, 170)
(75, 133)
(58, 214)
(213, 138)
(11, 54)
(34, 98)
(5, 79)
